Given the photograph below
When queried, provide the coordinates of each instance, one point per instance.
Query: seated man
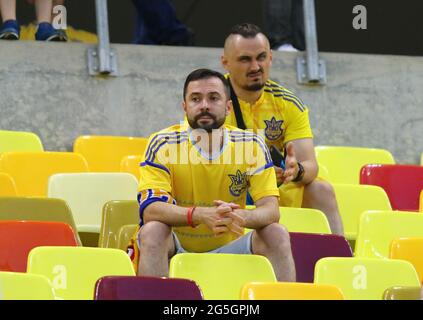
(274, 112)
(194, 181)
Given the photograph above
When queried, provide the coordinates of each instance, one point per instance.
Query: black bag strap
(237, 109)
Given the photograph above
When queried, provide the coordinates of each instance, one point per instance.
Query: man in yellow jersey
(280, 117)
(194, 180)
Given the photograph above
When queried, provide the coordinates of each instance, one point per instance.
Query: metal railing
(310, 69)
(102, 59)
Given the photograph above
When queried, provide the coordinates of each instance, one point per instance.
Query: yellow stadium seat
(7, 185)
(343, 164)
(131, 164)
(19, 141)
(73, 271)
(24, 286)
(365, 278)
(402, 293)
(37, 209)
(105, 153)
(31, 170)
(353, 200)
(410, 249)
(290, 291)
(302, 220)
(125, 233)
(115, 215)
(377, 229)
(87, 193)
(221, 276)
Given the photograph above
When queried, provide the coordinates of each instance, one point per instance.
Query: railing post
(102, 59)
(310, 69)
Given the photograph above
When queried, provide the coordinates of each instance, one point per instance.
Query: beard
(209, 127)
(254, 87)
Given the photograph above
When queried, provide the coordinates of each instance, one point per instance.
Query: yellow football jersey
(175, 170)
(278, 116)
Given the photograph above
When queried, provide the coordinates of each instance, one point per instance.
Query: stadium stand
(105, 153)
(146, 288)
(365, 278)
(290, 291)
(221, 276)
(402, 183)
(343, 164)
(73, 271)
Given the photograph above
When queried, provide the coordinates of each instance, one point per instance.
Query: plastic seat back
(73, 271)
(343, 163)
(125, 233)
(221, 276)
(353, 200)
(37, 209)
(301, 220)
(365, 278)
(19, 141)
(290, 291)
(146, 288)
(410, 249)
(24, 286)
(421, 201)
(131, 164)
(7, 185)
(402, 183)
(105, 153)
(87, 193)
(18, 238)
(115, 215)
(308, 248)
(377, 229)
(402, 293)
(31, 170)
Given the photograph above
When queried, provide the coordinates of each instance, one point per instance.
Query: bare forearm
(167, 213)
(173, 215)
(265, 213)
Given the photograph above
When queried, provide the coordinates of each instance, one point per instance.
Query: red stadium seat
(146, 288)
(402, 183)
(17, 238)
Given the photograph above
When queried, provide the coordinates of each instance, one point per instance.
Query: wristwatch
(300, 173)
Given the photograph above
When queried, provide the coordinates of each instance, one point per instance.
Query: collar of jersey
(258, 102)
(214, 155)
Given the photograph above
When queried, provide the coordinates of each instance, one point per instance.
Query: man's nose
(255, 66)
(204, 104)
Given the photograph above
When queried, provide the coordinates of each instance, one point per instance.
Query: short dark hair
(206, 74)
(246, 30)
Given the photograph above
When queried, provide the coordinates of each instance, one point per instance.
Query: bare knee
(153, 235)
(319, 191)
(272, 237)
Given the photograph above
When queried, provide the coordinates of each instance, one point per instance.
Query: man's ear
(224, 62)
(184, 106)
(271, 57)
(229, 107)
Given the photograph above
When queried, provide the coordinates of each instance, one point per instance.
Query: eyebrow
(249, 56)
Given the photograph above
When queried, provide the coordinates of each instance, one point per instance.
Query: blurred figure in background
(10, 29)
(157, 24)
(284, 24)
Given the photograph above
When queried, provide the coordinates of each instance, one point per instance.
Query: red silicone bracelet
(189, 216)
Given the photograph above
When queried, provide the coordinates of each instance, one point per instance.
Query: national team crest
(273, 130)
(239, 183)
